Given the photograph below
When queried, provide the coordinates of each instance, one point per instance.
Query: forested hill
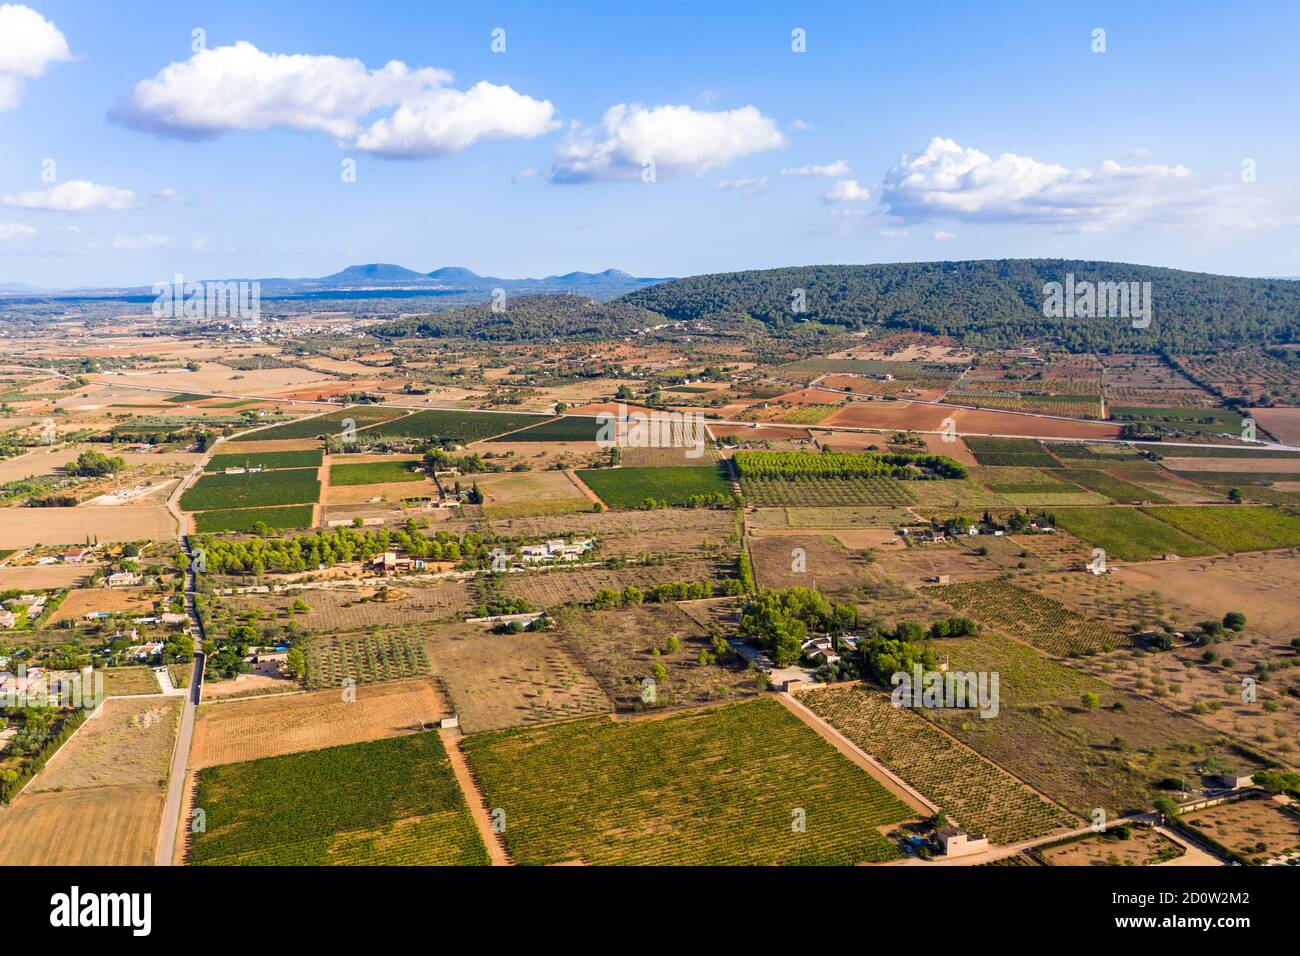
(526, 318)
(993, 303)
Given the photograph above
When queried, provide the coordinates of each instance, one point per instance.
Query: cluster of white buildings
(554, 550)
(31, 604)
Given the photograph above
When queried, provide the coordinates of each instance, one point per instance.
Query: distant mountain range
(383, 277)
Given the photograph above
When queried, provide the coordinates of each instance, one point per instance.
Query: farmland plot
(266, 459)
(712, 787)
(632, 487)
(375, 656)
(830, 492)
(1109, 757)
(240, 730)
(459, 425)
(130, 742)
(561, 585)
(331, 423)
(1039, 620)
(1128, 534)
(507, 680)
(289, 487)
(618, 649)
(343, 472)
(392, 801)
(339, 609)
(978, 795)
(1010, 451)
(290, 517)
(1235, 528)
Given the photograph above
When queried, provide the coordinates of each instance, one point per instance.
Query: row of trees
(332, 546)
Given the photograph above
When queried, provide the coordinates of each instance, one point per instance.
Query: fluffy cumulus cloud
(948, 182)
(446, 121)
(240, 87)
(675, 139)
(75, 195)
(28, 44)
(837, 168)
(847, 191)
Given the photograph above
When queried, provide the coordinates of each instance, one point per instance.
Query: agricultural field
(331, 423)
(530, 493)
(240, 730)
(374, 472)
(221, 520)
(954, 493)
(1116, 489)
(622, 488)
(664, 457)
(563, 585)
(1021, 452)
(377, 655)
(1256, 830)
(508, 680)
(1031, 617)
(1128, 533)
(265, 459)
(128, 681)
(95, 826)
(460, 426)
(393, 801)
(570, 428)
(219, 492)
(830, 492)
(130, 742)
(1192, 421)
(617, 648)
(1128, 846)
(716, 787)
(1235, 528)
(633, 533)
(822, 563)
(1111, 756)
(976, 794)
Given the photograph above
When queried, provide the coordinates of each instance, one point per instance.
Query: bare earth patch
(284, 724)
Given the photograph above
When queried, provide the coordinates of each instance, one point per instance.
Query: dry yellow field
(130, 742)
(99, 826)
(24, 527)
(271, 726)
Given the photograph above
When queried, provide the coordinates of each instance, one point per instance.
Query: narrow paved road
(181, 755)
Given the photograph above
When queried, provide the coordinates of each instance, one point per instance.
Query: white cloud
(15, 233)
(677, 139)
(847, 190)
(28, 44)
(941, 235)
(949, 182)
(446, 121)
(75, 195)
(837, 168)
(894, 233)
(747, 186)
(240, 87)
(800, 125)
(201, 245)
(124, 242)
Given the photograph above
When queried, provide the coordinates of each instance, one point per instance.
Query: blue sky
(904, 132)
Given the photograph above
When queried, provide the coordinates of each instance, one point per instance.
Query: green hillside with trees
(992, 303)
